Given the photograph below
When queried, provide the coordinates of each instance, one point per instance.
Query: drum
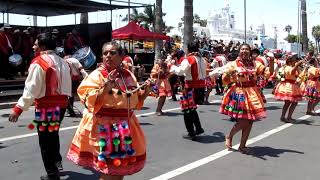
(15, 60)
(85, 57)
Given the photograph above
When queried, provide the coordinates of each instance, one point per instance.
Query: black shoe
(72, 114)
(174, 98)
(189, 136)
(50, 177)
(199, 132)
(59, 165)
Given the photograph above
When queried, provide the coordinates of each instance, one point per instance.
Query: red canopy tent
(132, 31)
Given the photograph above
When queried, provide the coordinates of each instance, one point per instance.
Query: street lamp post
(245, 21)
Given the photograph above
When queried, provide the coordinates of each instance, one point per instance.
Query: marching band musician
(73, 42)
(193, 68)
(160, 72)
(5, 52)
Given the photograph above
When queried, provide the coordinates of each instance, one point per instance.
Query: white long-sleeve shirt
(35, 84)
(185, 69)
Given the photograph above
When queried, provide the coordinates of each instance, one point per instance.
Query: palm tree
(158, 26)
(288, 29)
(188, 23)
(304, 26)
(148, 17)
(134, 16)
(316, 35)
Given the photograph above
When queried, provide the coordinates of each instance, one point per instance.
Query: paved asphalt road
(279, 151)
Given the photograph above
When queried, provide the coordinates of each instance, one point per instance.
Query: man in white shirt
(193, 67)
(48, 85)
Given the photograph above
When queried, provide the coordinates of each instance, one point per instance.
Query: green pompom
(119, 92)
(116, 141)
(102, 143)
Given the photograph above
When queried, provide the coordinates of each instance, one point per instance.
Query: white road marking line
(206, 160)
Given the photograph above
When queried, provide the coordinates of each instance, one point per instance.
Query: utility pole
(275, 37)
(129, 11)
(304, 26)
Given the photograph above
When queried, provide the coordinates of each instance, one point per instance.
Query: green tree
(316, 35)
(291, 38)
(196, 19)
(134, 16)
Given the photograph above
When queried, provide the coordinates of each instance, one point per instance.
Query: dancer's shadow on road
(171, 114)
(208, 139)
(273, 107)
(262, 152)
(70, 175)
(306, 122)
(1, 146)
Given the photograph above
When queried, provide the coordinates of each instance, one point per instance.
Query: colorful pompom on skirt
(243, 103)
(109, 145)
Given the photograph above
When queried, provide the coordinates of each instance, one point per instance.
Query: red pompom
(31, 126)
(133, 159)
(116, 162)
(101, 164)
(42, 128)
(56, 127)
(125, 162)
(51, 128)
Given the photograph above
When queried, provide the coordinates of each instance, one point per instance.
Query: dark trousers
(75, 84)
(173, 79)
(198, 95)
(50, 148)
(192, 122)
(6, 70)
(191, 117)
(219, 87)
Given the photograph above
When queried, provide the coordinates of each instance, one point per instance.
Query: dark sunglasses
(111, 52)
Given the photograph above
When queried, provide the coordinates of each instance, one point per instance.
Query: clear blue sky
(270, 12)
